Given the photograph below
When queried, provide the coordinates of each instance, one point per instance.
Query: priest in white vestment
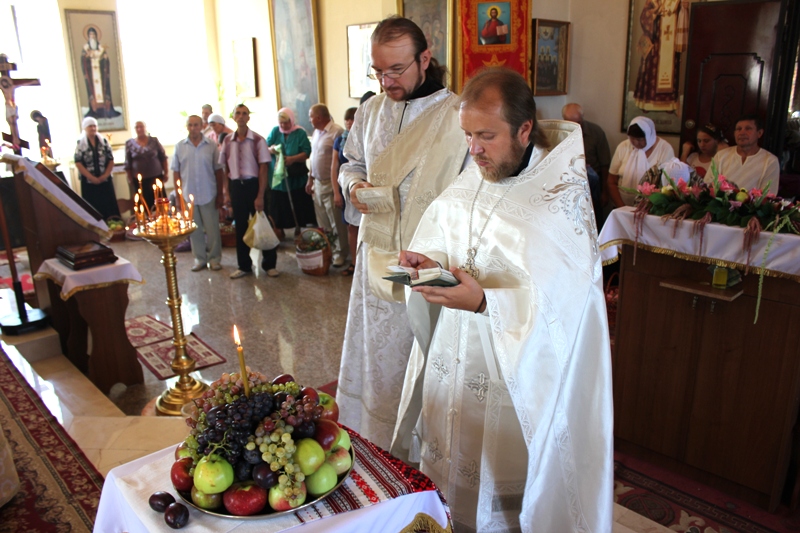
(404, 148)
(507, 402)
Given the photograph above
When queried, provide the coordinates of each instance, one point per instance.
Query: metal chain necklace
(469, 265)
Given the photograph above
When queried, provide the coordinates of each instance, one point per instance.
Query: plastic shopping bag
(279, 174)
(264, 238)
(250, 234)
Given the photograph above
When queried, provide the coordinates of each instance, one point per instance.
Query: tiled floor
(293, 323)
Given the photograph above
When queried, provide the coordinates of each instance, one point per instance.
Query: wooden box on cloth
(89, 254)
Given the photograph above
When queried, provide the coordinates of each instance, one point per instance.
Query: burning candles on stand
(242, 367)
(165, 219)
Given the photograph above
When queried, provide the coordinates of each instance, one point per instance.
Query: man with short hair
(403, 149)
(507, 402)
(197, 167)
(207, 129)
(746, 164)
(329, 216)
(246, 159)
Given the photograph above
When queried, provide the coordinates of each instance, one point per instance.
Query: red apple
(206, 501)
(309, 456)
(280, 502)
(245, 498)
(182, 451)
(331, 408)
(213, 474)
(340, 460)
(179, 474)
(308, 392)
(283, 378)
(326, 434)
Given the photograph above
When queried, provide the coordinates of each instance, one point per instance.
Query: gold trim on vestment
(63, 208)
(697, 258)
(44, 275)
(426, 523)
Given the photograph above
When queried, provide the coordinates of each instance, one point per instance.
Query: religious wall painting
(493, 34)
(359, 61)
(550, 57)
(655, 72)
(435, 18)
(295, 45)
(97, 67)
(245, 68)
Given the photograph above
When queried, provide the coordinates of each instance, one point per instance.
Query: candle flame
(140, 179)
(236, 336)
(136, 198)
(47, 142)
(160, 185)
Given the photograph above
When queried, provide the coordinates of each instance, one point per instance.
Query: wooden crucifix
(7, 85)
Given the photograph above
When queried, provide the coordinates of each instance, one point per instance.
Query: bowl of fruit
(117, 228)
(261, 455)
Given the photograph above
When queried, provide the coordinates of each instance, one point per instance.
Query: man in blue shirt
(196, 164)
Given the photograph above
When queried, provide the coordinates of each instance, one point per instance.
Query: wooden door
(732, 63)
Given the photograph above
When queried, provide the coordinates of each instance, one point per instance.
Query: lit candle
(160, 188)
(191, 207)
(136, 208)
(243, 369)
(180, 197)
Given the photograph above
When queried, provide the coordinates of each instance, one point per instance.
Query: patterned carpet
(60, 487)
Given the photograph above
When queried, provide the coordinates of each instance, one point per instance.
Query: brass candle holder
(166, 230)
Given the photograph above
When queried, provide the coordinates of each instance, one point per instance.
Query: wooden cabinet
(699, 388)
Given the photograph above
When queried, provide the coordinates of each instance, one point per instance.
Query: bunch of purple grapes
(228, 426)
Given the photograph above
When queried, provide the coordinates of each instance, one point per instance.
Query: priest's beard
(93, 44)
(504, 167)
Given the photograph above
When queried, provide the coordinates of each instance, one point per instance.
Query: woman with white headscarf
(95, 161)
(634, 157)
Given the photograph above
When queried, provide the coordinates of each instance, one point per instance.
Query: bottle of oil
(720, 279)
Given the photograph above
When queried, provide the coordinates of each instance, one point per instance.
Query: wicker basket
(228, 234)
(316, 262)
(116, 235)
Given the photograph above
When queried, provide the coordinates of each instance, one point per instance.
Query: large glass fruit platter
(271, 451)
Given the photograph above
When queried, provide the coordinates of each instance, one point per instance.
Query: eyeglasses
(392, 74)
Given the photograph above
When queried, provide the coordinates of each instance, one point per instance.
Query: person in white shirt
(746, 164)
(633, 158)
(329, 216)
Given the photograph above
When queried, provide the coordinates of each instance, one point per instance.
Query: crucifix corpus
(7, 85)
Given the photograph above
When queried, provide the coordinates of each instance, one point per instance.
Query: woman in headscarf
(634, 157)
(291, 140)
(95, 161)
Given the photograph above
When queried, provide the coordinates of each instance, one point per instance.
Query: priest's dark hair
(395, 27)
(518, 104)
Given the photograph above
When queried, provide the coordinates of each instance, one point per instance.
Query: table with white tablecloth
(378, 495)
(92, 326)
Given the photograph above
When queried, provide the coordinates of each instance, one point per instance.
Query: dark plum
(160, 500)
(176, 516)
(264, 476)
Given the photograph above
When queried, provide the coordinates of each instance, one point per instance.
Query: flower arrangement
(719, 201)
(311, 241)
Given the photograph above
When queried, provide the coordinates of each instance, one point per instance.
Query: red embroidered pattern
(365, 488)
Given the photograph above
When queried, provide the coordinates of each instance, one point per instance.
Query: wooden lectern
(102, 310)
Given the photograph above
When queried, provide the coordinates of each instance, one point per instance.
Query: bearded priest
(507, 401)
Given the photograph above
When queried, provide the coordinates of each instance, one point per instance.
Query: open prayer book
(434, 277)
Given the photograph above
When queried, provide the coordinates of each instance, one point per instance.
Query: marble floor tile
(150, 433)
(636, 522)
(97, 432)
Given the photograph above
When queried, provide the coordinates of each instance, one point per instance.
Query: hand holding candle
(243, 368)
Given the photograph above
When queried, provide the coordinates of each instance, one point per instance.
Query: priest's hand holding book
(452, 288)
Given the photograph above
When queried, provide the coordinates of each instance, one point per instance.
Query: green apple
(213, 474)
(206, 501)
(343, 441)
(321, 481)
(339, 458)
(308, 456)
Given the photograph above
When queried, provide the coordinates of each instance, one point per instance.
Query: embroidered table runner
(721, 245)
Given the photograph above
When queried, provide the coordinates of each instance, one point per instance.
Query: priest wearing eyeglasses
(404, 148)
